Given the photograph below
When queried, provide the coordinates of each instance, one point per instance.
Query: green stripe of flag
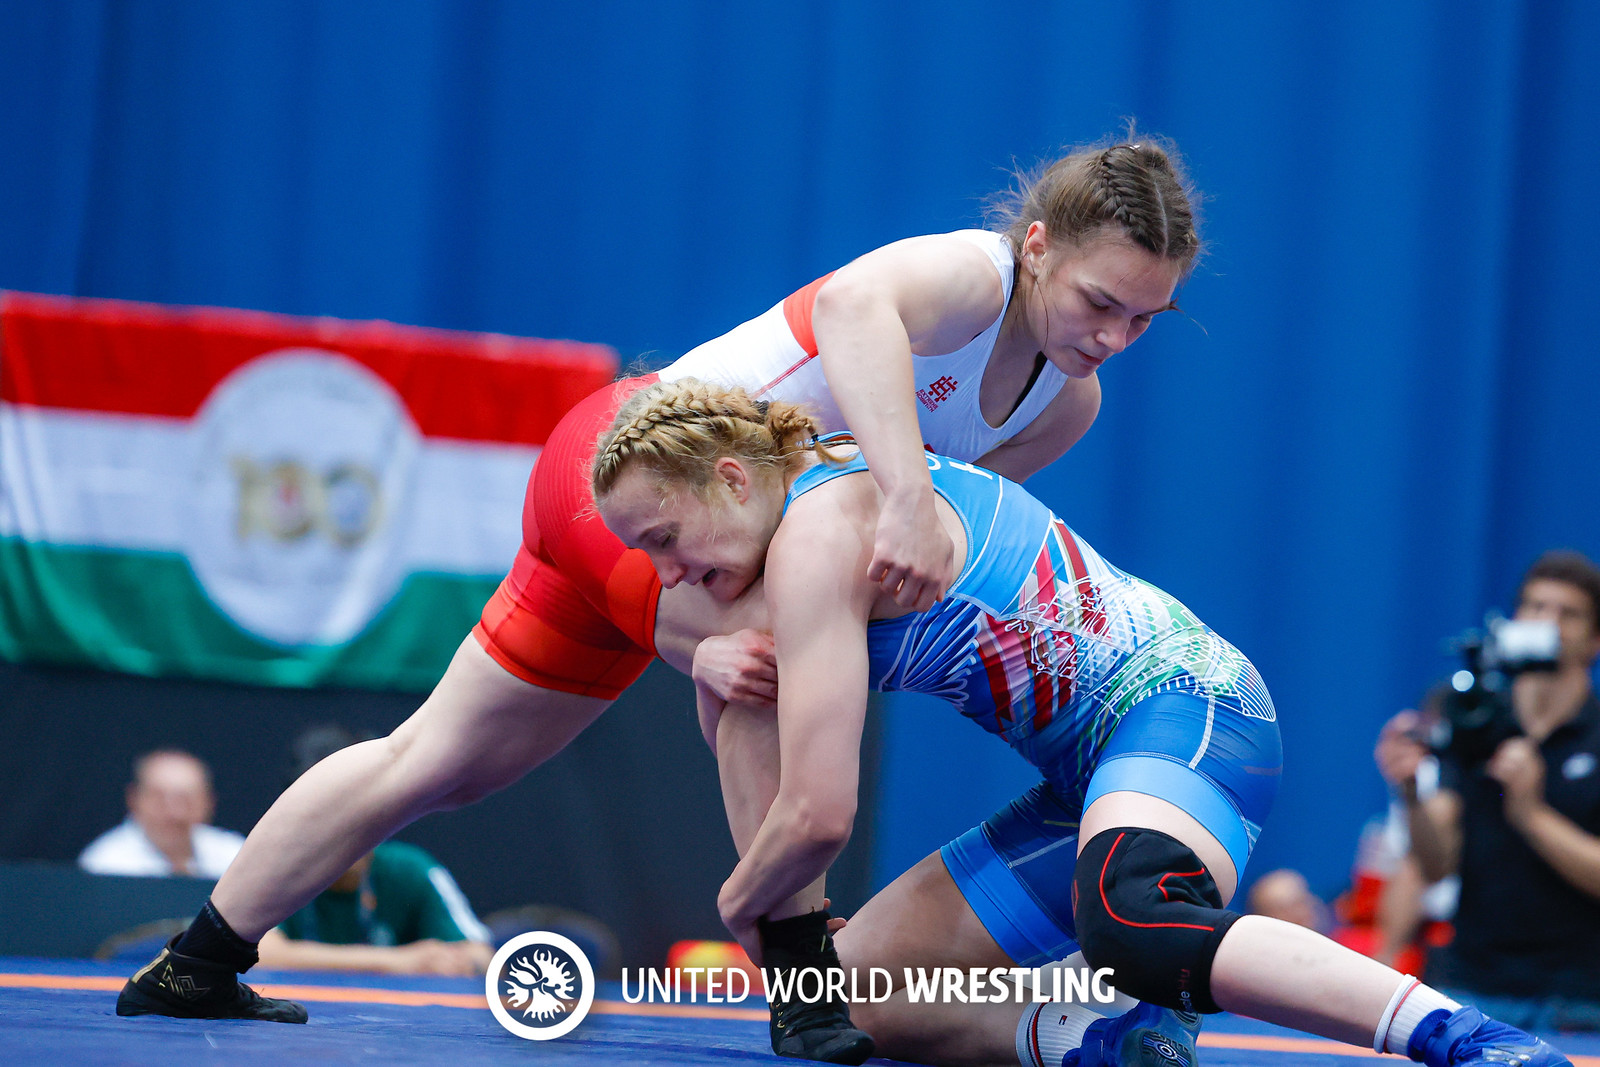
(145, 613)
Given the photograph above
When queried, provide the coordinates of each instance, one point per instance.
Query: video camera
(1478, 714)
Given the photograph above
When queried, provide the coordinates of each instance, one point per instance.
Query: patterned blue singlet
(1100, 680)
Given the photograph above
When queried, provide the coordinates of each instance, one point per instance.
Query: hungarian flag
(267, 499)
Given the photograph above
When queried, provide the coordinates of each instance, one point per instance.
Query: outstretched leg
(479, 730)
(1160, 929)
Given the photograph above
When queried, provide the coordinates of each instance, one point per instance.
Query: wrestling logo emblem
(539, 985)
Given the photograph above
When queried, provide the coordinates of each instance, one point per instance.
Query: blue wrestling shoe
(1471, 1037)
(1147, 1036)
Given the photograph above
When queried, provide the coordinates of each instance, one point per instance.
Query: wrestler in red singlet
(543, 624)
(577, 612)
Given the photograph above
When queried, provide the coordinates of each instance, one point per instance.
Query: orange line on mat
(350, 995)
(685, 1011)
(406, 998)
(1319, 1047)
(58, 981)
(1269, 1043)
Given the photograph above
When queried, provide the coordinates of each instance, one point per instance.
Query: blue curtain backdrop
(1379, 407)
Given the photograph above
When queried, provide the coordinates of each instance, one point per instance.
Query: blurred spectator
(1284, 894)
(1522, 827)
(1391, 911)
(396, 911)
(170, 803)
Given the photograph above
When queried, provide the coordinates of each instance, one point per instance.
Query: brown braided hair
(1137, 185)
(678, 430)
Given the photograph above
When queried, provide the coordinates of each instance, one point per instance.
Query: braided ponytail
(678, 430)
(1137, 186)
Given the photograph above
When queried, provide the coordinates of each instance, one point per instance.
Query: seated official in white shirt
(170, 803)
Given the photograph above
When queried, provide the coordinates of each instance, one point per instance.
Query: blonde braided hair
(678, 430)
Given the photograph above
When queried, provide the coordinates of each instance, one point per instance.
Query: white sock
(1412, 1002)
(1048, 1032)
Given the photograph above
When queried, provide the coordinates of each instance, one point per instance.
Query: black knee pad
(1146, 907)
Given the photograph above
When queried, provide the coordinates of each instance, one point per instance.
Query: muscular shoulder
(824, 541)
(945, 288)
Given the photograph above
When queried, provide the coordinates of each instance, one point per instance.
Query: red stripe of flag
(147, 359)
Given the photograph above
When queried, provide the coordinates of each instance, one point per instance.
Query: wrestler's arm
(820, 601)
(1047, 438)
(724, 647)
(931, 293)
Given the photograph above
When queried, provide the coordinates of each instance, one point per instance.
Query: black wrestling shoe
(188, 988)
(819, 1031)
(802, 1030)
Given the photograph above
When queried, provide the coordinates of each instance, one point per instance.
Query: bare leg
(1283, 973)
(747, 737)
(922, 920)
(1266, 968)
(747, 762)
(479, 730)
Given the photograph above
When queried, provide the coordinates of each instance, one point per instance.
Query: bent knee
(1147, 908)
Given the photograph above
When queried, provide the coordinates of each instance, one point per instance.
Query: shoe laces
(793, 1016)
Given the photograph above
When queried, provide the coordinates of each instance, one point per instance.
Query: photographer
(1518, 817)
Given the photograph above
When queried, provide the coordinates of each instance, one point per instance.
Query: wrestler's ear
(734, 476)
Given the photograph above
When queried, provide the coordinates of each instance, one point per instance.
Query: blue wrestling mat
(60, 1012)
